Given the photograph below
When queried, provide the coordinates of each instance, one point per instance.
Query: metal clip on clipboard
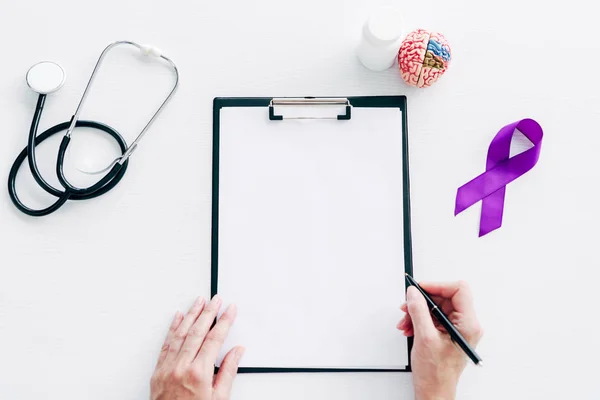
(309, 101)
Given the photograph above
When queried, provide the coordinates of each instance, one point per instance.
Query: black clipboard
(349, 102)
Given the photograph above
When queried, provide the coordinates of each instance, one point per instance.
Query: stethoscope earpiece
(45, 77)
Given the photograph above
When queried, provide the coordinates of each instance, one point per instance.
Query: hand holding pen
(437, 362)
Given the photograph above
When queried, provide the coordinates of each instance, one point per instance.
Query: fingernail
(410, 294)
(217, 300)
(401, 322)
(232, 309)
(239, 354)
(200, 300)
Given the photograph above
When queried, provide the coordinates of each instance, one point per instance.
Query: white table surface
(86, 294)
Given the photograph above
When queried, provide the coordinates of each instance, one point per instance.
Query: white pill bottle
(381, 39)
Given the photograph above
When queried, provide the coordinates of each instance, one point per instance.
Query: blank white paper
(311, 238)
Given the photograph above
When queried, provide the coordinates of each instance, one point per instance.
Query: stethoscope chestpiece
(46, 77)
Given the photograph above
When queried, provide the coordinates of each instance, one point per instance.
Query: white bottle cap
(385, 26)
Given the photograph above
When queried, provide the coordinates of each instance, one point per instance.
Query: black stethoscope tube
(70, 192)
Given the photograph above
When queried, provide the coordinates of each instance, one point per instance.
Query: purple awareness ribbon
(501, 169)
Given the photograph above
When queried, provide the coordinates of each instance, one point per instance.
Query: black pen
(445, 322)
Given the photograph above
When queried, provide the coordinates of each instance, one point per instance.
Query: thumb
(419, 313)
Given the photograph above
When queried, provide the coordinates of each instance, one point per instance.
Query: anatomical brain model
(423, 57)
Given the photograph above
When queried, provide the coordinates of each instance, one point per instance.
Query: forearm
(436, 392)
(445, 396)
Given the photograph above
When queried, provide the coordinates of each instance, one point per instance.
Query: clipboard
(259, 131)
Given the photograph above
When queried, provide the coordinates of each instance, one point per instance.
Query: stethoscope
(47, 77)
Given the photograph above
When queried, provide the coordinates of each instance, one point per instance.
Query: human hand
(436, 362)
(185, 368)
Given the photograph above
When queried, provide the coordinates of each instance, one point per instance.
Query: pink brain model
(423, 57)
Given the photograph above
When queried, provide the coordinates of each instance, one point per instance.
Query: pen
(445, 322)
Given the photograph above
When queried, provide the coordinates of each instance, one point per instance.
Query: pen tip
(406, 273)
(480, 364)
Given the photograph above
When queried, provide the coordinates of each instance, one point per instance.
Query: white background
(86, 294)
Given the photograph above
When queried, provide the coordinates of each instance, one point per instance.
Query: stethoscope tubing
(69, 192)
